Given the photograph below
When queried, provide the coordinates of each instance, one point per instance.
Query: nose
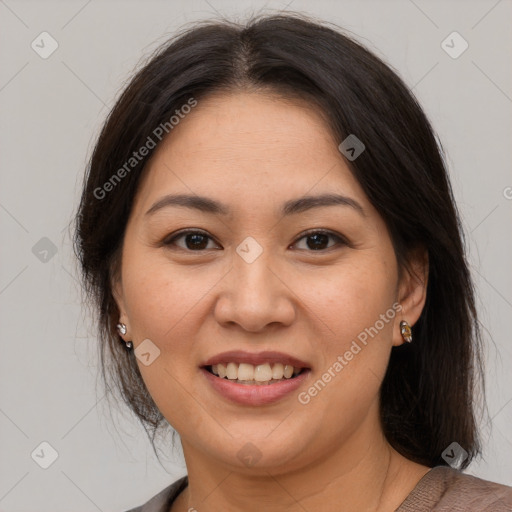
(255, 296)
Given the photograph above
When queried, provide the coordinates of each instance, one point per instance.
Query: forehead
(249, 125)
(249, 144)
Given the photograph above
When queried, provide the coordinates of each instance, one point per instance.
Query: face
(313, 280)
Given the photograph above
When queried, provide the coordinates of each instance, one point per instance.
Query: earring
(122, 330)
(406, 331)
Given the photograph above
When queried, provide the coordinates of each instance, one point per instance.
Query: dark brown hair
(427, 397)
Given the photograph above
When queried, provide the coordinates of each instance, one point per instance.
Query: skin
(252, 152)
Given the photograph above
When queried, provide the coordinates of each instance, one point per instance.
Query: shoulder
(446, 489)
(161, 502)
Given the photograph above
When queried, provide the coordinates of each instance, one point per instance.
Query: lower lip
(247, 394)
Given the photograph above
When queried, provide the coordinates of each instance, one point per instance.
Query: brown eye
(319, 240)
(193, 241)
(196, 241)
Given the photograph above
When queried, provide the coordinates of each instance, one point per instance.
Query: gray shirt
(442, 489)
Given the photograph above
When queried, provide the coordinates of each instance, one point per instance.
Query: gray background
(52, 110)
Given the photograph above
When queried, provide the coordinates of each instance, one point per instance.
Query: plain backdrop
(52, 110)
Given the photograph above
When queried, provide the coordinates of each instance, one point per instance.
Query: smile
(254, 375)
(252, 392)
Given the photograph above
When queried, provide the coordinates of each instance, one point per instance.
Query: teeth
(221, 370)
(232, 371)
(262, 372)
(245, 373)
(277, 371)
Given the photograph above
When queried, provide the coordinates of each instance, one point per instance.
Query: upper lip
(240, 356)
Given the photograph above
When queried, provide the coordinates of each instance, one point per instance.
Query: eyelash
(169, 241)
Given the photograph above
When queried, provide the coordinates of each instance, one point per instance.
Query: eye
(318, 239)
(193, 240)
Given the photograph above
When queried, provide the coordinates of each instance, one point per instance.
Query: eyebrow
(293, 206)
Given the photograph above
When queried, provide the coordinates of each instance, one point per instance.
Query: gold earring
(406, 331)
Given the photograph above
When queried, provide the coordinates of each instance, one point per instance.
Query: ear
(118, 294)
(412, 290)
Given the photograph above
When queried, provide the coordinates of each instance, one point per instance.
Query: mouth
(255, 375)
(255, 379)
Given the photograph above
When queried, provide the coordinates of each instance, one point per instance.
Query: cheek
(161, 298)
(351, 298)
(162, 305)
(355, 313)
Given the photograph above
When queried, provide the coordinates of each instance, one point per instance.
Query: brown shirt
(442, 489)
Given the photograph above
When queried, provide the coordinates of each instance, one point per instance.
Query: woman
(269, 234)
